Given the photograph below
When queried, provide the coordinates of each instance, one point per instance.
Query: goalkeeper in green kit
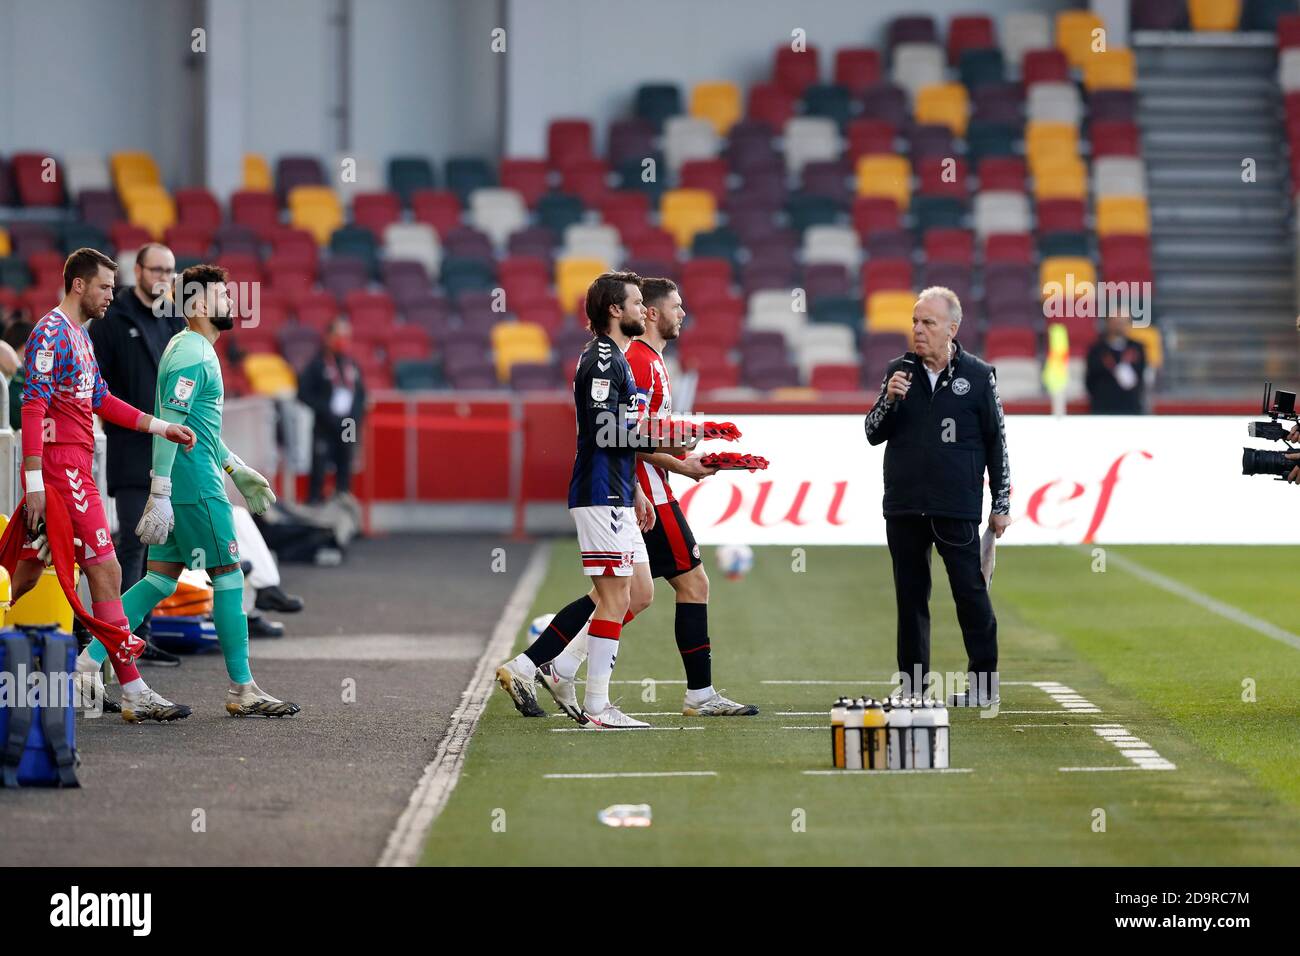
(187, 521)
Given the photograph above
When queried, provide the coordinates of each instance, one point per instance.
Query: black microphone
(908, 363)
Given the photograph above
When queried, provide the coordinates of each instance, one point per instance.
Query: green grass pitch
(1169, 671)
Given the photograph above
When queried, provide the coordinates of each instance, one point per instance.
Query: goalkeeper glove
(158, 519)
(251, 484)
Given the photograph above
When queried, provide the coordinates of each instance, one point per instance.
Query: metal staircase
(1223, 249)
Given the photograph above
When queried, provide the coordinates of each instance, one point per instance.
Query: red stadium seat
(568, 141)
(408, 342)
(376, 211)
(189, 240)
(875, 214)
(1061, 215)
(707, 277)
(882, 275)
(528, 177)
(631, 224)
(654, 244)
(1002, 173)
(38, 179)
(836, 378)
(1010, 342)
(38, 300)
(943, 176)
(795, 71)
(46, 267)
(1044, 66)
(771, 104)
(869, 137)
(295, 242)
(969, 33)
(588, 179)
(372, 303)
(1014, 247)
(540, 310)
(198, 207)
(438, 208)
(256, 210)
(950, 245)
(123, 235)
(243, 267)
(1114, 138)
(706, 174)
(857, 68)
(316, 310)
(1288, 31)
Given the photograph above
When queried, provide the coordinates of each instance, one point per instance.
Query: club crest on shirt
(599, 389)
(184, 387)
(960, 386)
(44, 360)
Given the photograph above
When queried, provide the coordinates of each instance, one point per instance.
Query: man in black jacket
(129, 340)
(331, 387)
(940, 441)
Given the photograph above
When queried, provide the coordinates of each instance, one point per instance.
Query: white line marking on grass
(1105, 769)
(1055, 713)
(579, 730)
(610, 776)
(827, 727)
(829, 683)
(1133, 748)
(801, 713)
(1234, 614)
(439, 778)
(882, 773)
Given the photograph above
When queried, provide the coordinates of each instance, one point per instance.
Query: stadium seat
(968, 33)
(464, 174)
(85, 171)
(996, 211)
(986, 139)
(947, 104)
(38, 180)
(655, 102)
(1022, 31)
(890, 311)
(568, 141)
(408, 175)
(151, 208)
(888, 102)
(769, 104)
(256, 174)
(1060, 178)
(795, 70)
(980, 68)
(133, 168)
(883, 275)
(684, 212)
(828, 377)
(932, 212)
(917, 65)
(910, 29)
(316, 209)
(945, 176)
(1119, 176)
(718, 103)
(1044, 66)
(1066, 271)
(949, 245)
(294, 171)
(1213, 16)
(270, 375)
(830, 100)
(414, 241)
(514, 342)
(856, 68)
(810, 139)
(1074, 34)
(686, 138)
(886, 176)
(528, 177)
(592, 241)
(587, 179)
(439, 208)
(1113, 69)
(199, 208)
(353, 175)
(832, 244)
(1044, 140)
(1288, 30)
(1122, 214)
(572, 277)
(256, 210)
(1152, 342)
(1002, 173)
(867, 137)
(497, 212)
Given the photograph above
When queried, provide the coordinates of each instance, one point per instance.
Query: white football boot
(611, 718)
(150, 705)
(564, 691)
(512, 679)
(719, 706)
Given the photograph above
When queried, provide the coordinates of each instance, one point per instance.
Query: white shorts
(609, 540)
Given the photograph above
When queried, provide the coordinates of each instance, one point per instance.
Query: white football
(735, 560)
(540, 623)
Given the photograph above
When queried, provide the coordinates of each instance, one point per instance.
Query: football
(735, 560)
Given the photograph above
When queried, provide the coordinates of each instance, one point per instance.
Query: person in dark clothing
(1117, 368)
(15, 336)
(940, 413)
(129, 340)
(331, 387)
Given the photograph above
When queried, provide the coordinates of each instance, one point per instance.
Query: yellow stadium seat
(1044, 140)
(1074, 34)
(1112, 70)
(1214, 15)
(794, 393)
(1060, 269)
(154, 217)
(684, 212)
(1123, 215)
(886, 176)
(316, 209)
(1152, 342)
(573, 275)
(514, 342)
(890, 311)
(5, 247)
(1060, 178)
(133, 168)
(269, 374)
(257, 173)
(946, 104)
(719, 103)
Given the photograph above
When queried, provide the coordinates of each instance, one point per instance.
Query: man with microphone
(940, 414)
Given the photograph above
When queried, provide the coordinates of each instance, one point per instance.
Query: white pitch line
(608, 776)
(1103, 769)
(882, 773)
(440, 776)
(1234, 614)
(1054, 713)
(884, 683)
(827, 727)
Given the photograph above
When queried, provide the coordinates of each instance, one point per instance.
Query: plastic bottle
(838, 712)
(940, 735)
(874, 746)
(853, 736)
(923, 728)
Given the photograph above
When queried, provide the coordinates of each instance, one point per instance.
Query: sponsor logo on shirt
(960, 386)
(599, 389)
(184, 387)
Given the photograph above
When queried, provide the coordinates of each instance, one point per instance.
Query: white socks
(694, 697)
(134, 687)
(525, 664)
(568, 661)
(600, 667)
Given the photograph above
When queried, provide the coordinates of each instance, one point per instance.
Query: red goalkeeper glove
(723, 430)
(733, 461)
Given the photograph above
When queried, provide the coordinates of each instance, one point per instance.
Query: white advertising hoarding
(1109, 480)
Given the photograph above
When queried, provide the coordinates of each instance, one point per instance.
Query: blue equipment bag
(37, 727)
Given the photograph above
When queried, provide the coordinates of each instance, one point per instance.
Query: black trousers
(132, 553)
(329, 448)
(958, 541)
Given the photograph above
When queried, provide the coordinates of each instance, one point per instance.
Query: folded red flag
(733, 461)
(723, 430)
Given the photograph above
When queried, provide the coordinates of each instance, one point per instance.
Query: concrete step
(1238, 195)
(1224, 216)
(1213, 141)
(1197, 174)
